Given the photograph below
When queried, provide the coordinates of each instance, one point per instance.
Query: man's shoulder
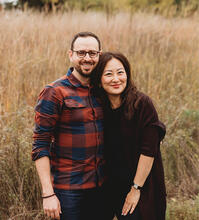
(61, 82)
(58, 89)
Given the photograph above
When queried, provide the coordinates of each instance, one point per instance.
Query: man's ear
(70, 54)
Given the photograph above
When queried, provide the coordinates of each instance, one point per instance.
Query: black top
(117, 166)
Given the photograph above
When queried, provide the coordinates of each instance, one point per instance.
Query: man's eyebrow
(88, 50)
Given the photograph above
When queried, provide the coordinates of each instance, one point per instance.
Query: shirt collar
(73, 80)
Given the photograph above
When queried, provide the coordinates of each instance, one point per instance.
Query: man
(68, 138)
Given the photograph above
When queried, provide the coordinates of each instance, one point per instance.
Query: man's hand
(52, 207)
(131, 201)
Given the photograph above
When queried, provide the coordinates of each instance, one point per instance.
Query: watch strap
(136, 186)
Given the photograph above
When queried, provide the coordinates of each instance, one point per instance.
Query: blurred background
(160, 39)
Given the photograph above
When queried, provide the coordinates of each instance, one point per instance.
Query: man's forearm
(144, 167)
(43, 169)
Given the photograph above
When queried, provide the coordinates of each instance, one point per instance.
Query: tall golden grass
(164, 54)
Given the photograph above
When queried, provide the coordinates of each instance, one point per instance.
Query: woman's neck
(115, 101)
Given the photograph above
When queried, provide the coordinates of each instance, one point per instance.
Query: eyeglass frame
(87, 52)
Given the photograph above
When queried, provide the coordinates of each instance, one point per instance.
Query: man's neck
(84, 80)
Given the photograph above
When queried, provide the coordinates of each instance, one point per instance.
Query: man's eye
(92, 53)
(81, 52)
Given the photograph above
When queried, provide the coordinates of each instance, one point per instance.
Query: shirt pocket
(73, 111)
(72, 103)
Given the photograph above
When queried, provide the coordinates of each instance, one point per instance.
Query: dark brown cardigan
(137, 140)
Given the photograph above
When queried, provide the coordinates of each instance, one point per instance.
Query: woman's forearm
(143, 169)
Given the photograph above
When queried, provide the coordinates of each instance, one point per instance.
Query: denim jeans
(83, 204)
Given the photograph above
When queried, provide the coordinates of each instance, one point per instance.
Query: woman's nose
(115, 78)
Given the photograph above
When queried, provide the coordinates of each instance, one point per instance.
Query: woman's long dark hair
(128, 96)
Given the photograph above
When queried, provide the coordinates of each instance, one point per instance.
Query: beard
(79, 70)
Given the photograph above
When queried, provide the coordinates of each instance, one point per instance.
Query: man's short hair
(85, 34)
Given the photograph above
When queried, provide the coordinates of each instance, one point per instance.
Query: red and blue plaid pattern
(69, 130)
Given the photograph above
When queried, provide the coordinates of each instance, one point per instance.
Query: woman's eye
(121, 72)
(107, 74)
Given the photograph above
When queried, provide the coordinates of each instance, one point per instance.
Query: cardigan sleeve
(152, 131)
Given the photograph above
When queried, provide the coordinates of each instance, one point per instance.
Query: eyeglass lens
(82, 53)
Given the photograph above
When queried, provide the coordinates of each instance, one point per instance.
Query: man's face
(84, 65)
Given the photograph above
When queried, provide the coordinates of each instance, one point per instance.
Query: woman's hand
(131, 201)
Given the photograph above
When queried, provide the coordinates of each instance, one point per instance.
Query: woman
(135, 185)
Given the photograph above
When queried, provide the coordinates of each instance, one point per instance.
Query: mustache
(87, 62)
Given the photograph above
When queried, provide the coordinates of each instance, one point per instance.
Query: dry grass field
(164, 54)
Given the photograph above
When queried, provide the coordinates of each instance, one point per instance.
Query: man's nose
(87, 57)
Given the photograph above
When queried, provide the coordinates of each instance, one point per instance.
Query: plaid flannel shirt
(69, 130)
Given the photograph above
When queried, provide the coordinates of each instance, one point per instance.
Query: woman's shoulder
(143, 100)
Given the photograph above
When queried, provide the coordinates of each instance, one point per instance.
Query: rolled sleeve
(153, 130)
(150, 141)
(46, 116)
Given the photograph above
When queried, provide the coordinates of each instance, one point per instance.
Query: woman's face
(114, 78)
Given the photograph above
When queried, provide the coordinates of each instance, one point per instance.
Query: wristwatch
(135, 186)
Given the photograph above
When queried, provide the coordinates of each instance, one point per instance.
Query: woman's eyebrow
(108, 70)
(120, 69)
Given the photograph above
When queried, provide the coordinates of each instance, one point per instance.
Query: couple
(97, 141)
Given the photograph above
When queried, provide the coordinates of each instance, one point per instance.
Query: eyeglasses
(91, 53)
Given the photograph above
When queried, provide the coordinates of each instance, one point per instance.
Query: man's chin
(86, 73)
